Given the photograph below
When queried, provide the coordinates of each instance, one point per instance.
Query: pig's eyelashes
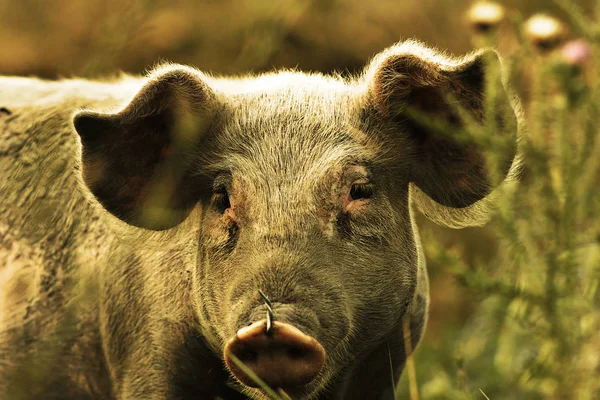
(361, 191)
(221, 200)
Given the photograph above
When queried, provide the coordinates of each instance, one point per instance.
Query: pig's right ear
(138, 161)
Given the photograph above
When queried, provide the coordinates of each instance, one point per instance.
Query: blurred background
(95, 38)
(469, 345)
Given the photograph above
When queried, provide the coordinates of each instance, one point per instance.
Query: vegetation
(533, 329)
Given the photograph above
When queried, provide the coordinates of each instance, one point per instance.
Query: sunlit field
(515, 304)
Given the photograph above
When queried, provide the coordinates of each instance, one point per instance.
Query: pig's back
(40, 186)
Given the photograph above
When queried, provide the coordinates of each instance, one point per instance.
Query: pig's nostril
(296, 353)
(248, 356)
(285, 358)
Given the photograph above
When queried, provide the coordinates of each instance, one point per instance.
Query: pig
(178, 235)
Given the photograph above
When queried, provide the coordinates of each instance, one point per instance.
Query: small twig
(392, 372)
(283, 394)
(410, 362)
(248, 371)
(484, 395)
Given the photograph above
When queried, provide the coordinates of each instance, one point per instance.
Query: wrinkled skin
(302, 186)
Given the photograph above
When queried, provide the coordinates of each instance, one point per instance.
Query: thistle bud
(485, 16)
(544, 31)
(576, 52)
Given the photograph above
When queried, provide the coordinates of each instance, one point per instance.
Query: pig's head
(305, 185)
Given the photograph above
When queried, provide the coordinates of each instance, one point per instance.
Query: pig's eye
(221, 199)
(361, 191)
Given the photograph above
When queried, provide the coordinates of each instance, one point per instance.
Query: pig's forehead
(290, 125)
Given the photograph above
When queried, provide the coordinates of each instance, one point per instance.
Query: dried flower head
(576, 52)
(544, 31)
(486, 15)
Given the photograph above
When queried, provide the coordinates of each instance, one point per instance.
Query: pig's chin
(310, 391)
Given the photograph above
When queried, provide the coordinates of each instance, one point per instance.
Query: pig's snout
(283, 357)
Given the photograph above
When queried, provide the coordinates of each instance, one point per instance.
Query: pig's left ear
(426, 103)
(138, 162)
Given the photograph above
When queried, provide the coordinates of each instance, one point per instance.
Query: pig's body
(94, 308)
(50, 235)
